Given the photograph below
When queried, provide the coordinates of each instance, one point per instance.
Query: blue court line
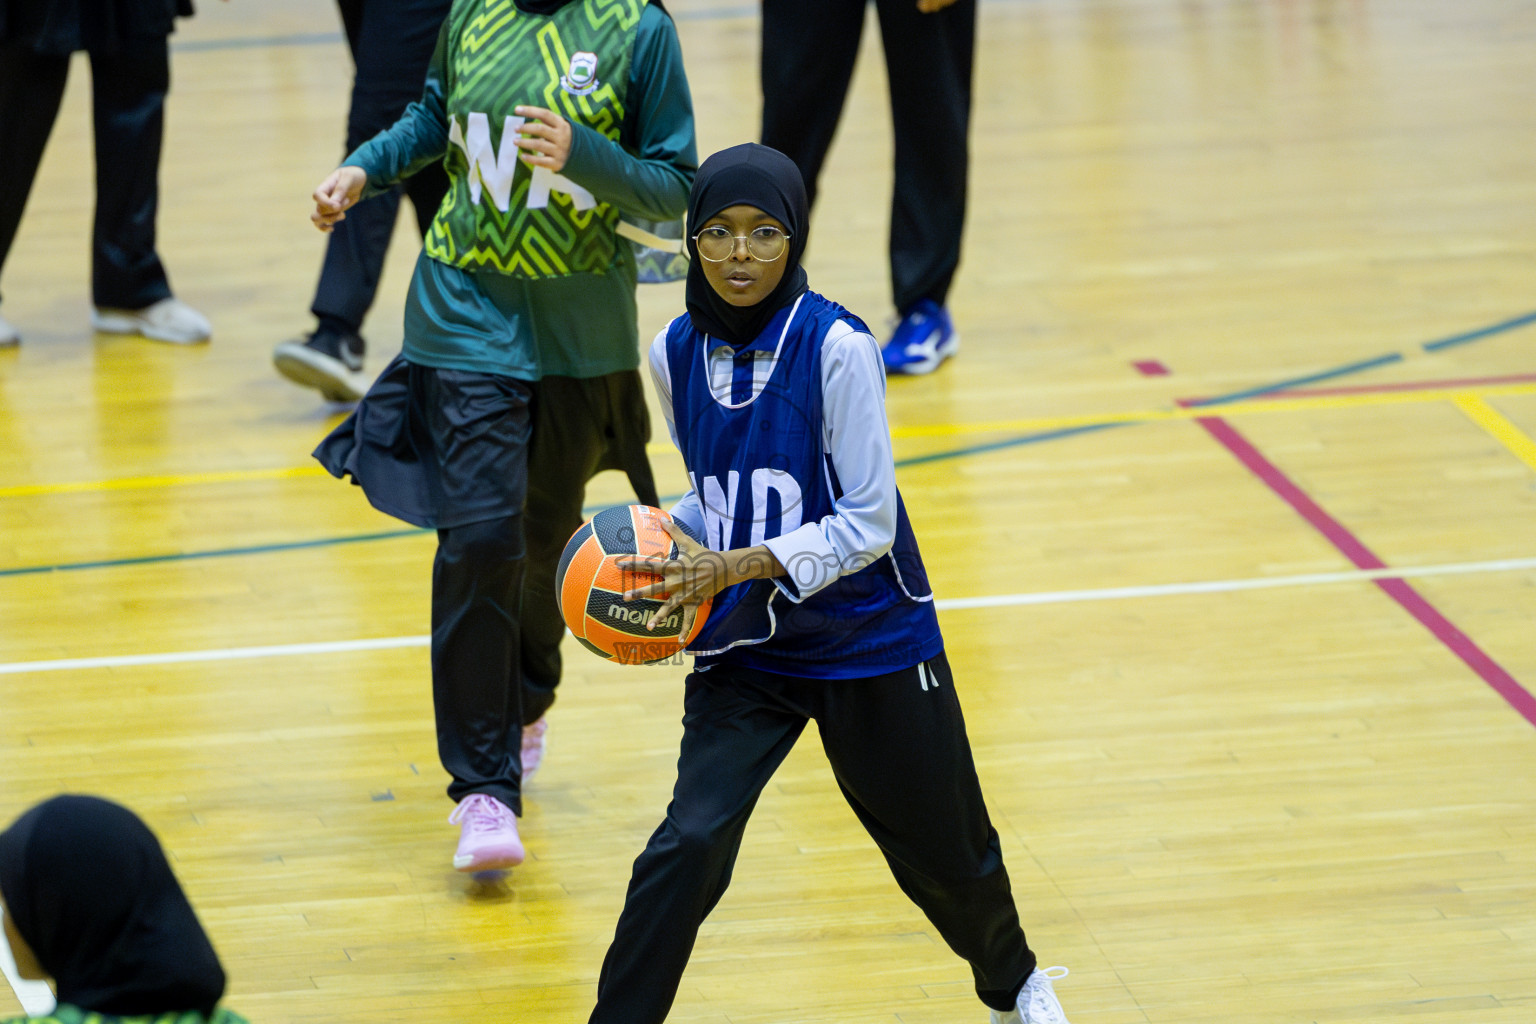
(1088, 428)
(1012, 442)
(1296, 382)
(954, 453)
(187, 556)
(1481, 332)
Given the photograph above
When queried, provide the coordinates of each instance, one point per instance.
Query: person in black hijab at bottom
(820, 609)
(90, 902)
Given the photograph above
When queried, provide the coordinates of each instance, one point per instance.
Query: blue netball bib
(760, 471)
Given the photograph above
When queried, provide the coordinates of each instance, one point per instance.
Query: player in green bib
(561, 124)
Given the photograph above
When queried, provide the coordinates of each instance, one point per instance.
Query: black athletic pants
(808, 53)
(898, 748)
(581, 426)
(496, 626)
(128, 87)
(391, 43)
(476, 587)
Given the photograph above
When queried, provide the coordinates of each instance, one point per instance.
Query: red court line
(1352, 548)
(1373, 389)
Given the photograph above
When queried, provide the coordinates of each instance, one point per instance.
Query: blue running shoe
(925, 338)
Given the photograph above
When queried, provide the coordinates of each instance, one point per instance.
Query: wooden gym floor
(1230, 499)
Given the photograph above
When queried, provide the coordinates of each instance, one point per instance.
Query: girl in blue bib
(820, 609)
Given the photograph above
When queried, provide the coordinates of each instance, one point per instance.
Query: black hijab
(89, 889)
(755, 176)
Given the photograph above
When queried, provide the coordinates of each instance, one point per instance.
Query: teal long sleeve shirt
(582, 324)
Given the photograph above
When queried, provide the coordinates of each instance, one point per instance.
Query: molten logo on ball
(636, 617)
(591, 587)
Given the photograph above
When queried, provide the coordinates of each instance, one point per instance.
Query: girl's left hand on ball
(687, 581)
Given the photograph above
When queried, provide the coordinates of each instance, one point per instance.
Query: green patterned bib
(501, 214)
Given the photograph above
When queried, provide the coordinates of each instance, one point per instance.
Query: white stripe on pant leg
(926, 677)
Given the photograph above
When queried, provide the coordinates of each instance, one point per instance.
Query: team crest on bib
(581, 79)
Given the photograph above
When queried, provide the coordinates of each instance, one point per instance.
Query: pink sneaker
(533, 746)
(489, 840)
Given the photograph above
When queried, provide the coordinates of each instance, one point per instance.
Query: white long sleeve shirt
(854, 433)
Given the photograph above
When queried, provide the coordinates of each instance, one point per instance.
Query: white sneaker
(9, 335)
(169, 320)
(1037, 1001)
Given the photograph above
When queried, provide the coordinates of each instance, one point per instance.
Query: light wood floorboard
(1273, 804)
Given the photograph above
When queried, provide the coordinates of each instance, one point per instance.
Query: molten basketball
(590, 587)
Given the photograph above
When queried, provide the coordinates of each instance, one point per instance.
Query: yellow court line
(184, 479)
(1510, 436)
(1505, 432)
(169, 480)
(1266, 405)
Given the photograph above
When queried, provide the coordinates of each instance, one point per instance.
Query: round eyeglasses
(765, 243)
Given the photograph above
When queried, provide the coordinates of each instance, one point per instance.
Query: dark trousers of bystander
(391, 43)
(128, 87)
(808, 52)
